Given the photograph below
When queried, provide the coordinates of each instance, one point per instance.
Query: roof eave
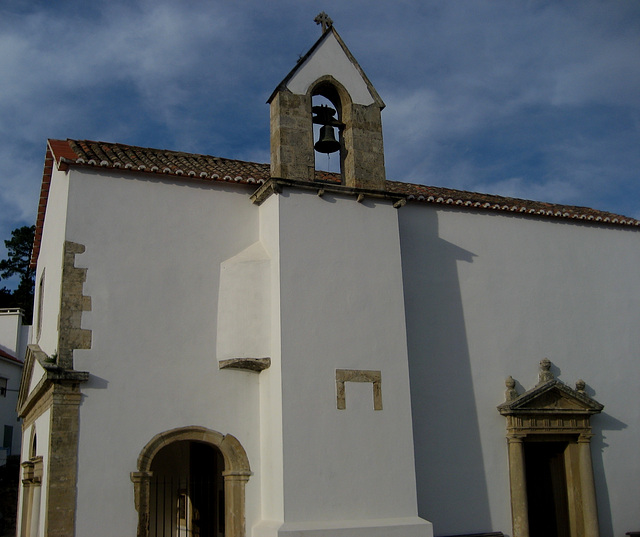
(49, 160)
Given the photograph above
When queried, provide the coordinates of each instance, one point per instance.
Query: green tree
(17, 263)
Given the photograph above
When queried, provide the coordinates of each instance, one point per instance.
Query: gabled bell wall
(362, 154)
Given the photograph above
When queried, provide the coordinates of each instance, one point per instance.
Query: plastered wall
(488, 296)
(153, 255)
(50, 264)
(484, 296)
(342, 307)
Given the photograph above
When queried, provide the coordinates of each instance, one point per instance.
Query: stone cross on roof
(325, 20)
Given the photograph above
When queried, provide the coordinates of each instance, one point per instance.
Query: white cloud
(194, 75)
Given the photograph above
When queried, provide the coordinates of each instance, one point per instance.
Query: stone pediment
(550, 397)
(34, 354)
(552, 400)
(50, 372)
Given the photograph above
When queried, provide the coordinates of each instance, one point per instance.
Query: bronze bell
(327, 142)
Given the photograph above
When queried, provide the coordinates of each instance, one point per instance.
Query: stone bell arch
(328, 69)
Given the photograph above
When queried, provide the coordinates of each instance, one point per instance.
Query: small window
(7, 439)
(3, 387)
(34, 444)
(40, 304)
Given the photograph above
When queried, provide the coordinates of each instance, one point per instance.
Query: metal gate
(186, 508)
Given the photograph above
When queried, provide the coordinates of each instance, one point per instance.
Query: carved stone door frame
(552, 411)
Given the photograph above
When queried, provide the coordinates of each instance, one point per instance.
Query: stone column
(518, 479)
(31, 485)
(589, 505)
(141, 491)
(63, 460)
(292, 155)
(234, 484)
(34, 523)
(27, 506)
(364, 158)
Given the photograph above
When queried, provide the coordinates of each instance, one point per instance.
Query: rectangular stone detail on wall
(358, 375)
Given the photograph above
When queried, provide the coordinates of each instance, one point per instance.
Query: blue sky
(531, 99)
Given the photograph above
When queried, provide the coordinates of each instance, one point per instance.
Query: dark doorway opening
(187, 491)
(547, 489)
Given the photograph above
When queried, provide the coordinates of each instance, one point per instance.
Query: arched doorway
(190, 483)
(187, 491)
(32, 471)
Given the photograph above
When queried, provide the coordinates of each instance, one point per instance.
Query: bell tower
(337, 451)
(350, 127)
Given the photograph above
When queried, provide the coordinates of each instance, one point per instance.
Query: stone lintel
(490, 534)
(248, 364)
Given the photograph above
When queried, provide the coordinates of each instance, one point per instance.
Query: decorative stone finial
(580, 385)
(545, 373)
(325, 20)
(511, 392)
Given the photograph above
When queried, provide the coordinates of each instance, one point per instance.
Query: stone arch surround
(236, 474)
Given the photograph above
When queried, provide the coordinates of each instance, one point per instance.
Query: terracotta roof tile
(208, 168)
(10, 357)
(162, 161)
(475, 200)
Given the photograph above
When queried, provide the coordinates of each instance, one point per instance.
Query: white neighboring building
(13, 343)
(230, 348)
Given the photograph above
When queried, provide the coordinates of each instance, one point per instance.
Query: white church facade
(224, 348)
